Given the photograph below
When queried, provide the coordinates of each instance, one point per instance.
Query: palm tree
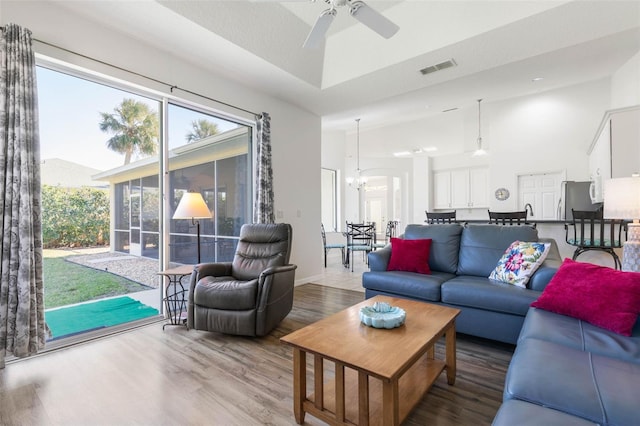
(202, 128)
(134, 127)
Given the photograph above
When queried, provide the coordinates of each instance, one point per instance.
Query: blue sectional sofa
(461, 260)
(566, 371)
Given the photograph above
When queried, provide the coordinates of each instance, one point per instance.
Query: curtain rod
(172, 87)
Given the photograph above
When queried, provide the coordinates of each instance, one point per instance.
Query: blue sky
(69, 112)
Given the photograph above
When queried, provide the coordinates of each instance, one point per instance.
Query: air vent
(437, 67)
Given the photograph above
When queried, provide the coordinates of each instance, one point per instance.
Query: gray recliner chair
(252, 294)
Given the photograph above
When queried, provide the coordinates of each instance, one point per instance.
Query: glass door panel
(208, 155)
(97, 144)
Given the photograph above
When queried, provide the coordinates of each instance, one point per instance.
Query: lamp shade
(622, 198)
(192, 206)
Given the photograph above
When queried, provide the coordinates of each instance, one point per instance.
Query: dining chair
(328, 247)
(441, 217)
(389, 232)
(360, 237)
(510, 218)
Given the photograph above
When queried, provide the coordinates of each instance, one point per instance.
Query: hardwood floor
(149, 376)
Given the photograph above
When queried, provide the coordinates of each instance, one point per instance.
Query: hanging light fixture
(359, 181)
(479, 150)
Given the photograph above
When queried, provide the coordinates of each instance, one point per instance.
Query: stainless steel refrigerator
(577, 196)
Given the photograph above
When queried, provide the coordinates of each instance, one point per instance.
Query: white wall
(295, 133)
(544, 132)
(333, 153)
(625, 84)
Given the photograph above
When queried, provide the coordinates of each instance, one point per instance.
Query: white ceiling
(499, 47)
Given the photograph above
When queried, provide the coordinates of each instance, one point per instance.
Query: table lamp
(192, 206)
(622, 201)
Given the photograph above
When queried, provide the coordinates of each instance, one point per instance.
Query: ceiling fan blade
(373, 19)
(316, 36)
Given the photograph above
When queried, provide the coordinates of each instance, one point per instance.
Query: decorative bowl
(382, 315)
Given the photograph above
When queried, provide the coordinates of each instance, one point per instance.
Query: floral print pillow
(519, 262)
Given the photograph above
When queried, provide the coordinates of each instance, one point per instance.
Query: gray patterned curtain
(22, 327)
(263, 205)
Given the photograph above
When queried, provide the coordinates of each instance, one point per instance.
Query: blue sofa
(461, 259)
(565, 371)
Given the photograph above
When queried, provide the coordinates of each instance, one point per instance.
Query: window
(328, 201)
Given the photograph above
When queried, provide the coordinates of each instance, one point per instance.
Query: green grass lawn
(66, 283)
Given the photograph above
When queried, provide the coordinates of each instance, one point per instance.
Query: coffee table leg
(340, 396)
(390, 409)
(363, 399)
(299, 383)
(318, 380)
(451, 354)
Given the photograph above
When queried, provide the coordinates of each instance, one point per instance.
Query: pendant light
(359, 181)
(479, 150)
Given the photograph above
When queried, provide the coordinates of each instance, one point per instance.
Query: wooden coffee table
(380, 374)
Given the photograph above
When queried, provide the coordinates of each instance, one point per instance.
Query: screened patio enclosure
(217, 166)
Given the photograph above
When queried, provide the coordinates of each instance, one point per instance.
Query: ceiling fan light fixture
(373, 19)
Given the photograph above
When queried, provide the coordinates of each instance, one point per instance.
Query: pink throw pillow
(602, 296)
(410, 255)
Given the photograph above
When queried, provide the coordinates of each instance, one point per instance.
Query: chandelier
(359, 181)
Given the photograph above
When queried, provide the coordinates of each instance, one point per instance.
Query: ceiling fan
(359, 10)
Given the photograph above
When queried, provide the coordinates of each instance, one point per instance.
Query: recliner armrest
(274, 283)
(276, 270)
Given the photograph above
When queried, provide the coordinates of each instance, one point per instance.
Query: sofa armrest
(543, 275)
(379, 259)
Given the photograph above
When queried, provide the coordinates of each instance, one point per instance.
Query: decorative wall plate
(502, 194)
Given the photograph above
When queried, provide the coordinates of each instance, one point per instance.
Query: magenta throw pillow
(410, 255)
(601, 296)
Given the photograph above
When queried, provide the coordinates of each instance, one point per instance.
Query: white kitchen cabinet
(461, 188)
(479, 187)
(442, 190)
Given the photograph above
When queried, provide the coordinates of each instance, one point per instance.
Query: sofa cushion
(519, 262)
(445, 244)
(407, 284)
(599, 295)
(578, 334)
(410, 255)
(600, 389)
(515, 412)
(483, 293)
(481, 246)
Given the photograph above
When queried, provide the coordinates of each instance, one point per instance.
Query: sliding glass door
(112, 180)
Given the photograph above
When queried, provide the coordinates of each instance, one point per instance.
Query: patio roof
(222, 145)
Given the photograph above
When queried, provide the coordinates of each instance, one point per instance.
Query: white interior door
(378, 209)
(542, 191)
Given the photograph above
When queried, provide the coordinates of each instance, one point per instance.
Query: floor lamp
(622, 201)
(192, 206)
